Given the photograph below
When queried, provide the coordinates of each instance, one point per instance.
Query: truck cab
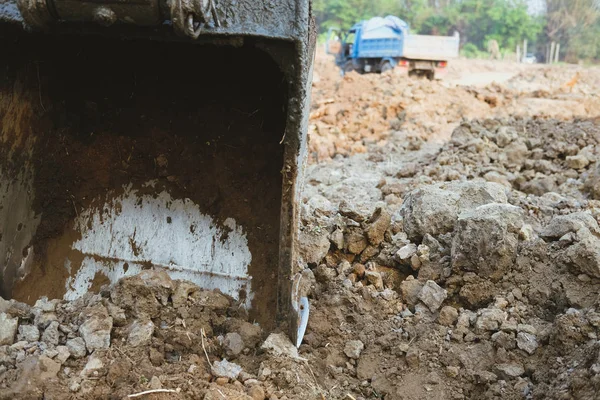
(354, 52)
(342, 45)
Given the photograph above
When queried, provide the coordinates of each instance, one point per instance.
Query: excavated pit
(118, 156)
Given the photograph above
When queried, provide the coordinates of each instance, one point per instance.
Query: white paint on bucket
(133, 230)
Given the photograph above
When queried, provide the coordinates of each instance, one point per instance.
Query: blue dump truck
(382, 44)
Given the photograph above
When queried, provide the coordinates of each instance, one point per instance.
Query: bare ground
(452, 251)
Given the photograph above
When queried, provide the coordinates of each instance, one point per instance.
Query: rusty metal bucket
(170, 139)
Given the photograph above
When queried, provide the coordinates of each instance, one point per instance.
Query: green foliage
(506, 21)
(575, 24)
(478, 21)
(469, 50)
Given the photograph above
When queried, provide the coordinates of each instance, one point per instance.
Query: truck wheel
(348, 67)
(387, 66)
(430, 75)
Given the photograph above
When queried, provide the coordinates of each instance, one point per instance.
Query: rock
(505, 340)
(15, 309)
(251, 334)
(526, 328)
(182, 293)
(422, 313)
(448, 316)
(324, 274)
(8, 329)
(349, 211)
(96, 328)
(353, 348)
(320, 206)
(313, 244)
(404, 347)
(50, 352)
(157, 358)
(412, 357)
(406, 252)
(48, 368)
(359, 270)
(407, 170)
(93, 368)
(222, 381)
(155, 383)
(378, 224)
(355, 241)
(248, 379)
(74, 386)
(29, 333)
(465, 319)
(490, 319)
(478, 293)
(584, 255)
(527, 342)
(577, 162)
(410, 290)
(571, 328)
(539, 186)
(452, 372)
(140, 333)
(505, 135)
(278, 344)
(509, 371)
(256, 392)
(117, 314)
(433, 378)
(42, 319)
(509, 325)
(415, 262)
(515, 154)
(63, 354)
(592, 183)
(563, 224)
(264, 373)
(45, 305)
(226, 369)
(486, 240)
(497, 177)
(432, 295)
(233, 343)
(485, 376)
(337, 238)
(388, 294)
(434, 209)
(374, 278)
(144, 295)
(51, 334)
(77, 347)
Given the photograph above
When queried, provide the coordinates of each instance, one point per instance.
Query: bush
(469, 50)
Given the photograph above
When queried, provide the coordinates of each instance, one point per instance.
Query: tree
(575, 24)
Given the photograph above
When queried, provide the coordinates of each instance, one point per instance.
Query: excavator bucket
(154, 135)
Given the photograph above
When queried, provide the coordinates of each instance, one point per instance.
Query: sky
(536, 6)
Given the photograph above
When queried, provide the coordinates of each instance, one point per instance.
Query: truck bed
(426, 47)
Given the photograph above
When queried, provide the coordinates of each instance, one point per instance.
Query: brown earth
(452, 251)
